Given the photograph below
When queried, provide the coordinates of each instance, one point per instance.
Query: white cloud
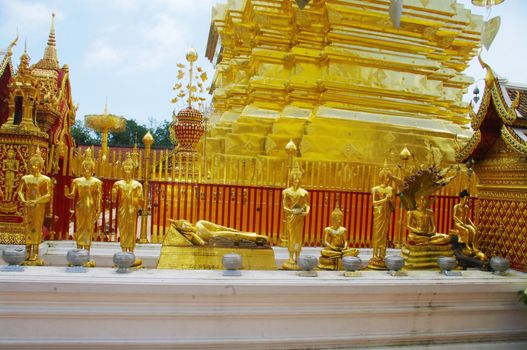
(103, 54)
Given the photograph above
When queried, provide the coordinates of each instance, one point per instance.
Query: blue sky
(127, 50)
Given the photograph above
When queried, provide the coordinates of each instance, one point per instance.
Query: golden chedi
(335, 243)
(338, 78)
(34, 192)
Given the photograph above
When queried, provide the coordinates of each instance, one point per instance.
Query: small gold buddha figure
(465, 229)
(87, 192)
(335, 243)
(34, 192)
(204, 232)
(130, 195)
(382, 210)
(421, 226)
(295, 203)
(10, 167)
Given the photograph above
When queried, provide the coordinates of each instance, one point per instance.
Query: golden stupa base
(210, 258)
(377, 263)
(424, 256)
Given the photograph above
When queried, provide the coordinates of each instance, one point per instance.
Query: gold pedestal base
(290, 266)
(377, 263)
(425, 256)
(36, 262)
(209, 258)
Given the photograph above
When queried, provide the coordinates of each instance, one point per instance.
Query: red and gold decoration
(188, 125)
(39, 113)
(498, 149)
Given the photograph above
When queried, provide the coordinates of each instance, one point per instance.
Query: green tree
(127, 137)
(161, 135)
(84, 136)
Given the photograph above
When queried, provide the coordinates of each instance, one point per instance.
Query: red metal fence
(246, 208)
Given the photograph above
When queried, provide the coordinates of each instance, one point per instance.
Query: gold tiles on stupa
(339, 79)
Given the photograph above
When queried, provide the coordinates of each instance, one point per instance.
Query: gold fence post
(147, 140)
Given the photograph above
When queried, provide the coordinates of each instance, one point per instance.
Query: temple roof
(501, 114)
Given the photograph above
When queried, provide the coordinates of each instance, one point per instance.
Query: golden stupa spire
(50, 60)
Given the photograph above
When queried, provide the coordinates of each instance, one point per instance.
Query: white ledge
(46, 307)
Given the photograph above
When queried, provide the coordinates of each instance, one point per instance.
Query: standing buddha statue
(295, 203)
(382, 210)
(335, 243)
(130, 194)
(34, 192)
(87, 192)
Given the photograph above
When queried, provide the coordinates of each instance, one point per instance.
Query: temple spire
(50, 60)
(51, 38)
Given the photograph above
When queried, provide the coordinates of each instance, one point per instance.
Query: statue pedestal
(424, 256)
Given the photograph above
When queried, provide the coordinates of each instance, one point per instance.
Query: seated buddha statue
(204, 231)
(335, 243)
(421, 226)
(465, 229)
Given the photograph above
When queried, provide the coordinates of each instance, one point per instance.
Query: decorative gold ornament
(489, 31)
(486, 3)
(105, 123)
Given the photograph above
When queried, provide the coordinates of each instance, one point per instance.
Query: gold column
(147, 140)
(404, 156)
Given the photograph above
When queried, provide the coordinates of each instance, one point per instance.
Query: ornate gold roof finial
(196, 80)
(9, 51)
(50, 60)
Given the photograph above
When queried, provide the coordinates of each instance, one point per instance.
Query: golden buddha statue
(34, 192)
(208, 233)
(296, 206)
(382, 210)
(87, 192)
(465, 229)
(421, 226)
(335, 243)
(130, 194)
(10, 167)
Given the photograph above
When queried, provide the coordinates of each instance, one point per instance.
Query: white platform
(46, 308)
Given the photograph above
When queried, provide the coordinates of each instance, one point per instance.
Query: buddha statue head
(36, 162)
(337, 217)
(88, 164)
